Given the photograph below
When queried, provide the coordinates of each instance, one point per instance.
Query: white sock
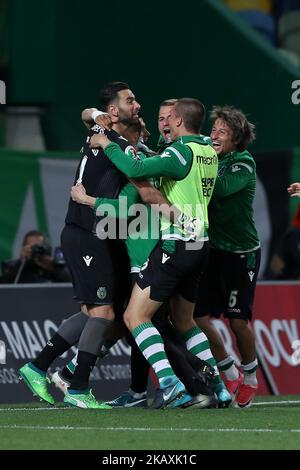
(250, 379)
(228, 367)
(232, 373)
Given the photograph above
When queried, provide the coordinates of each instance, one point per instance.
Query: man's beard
(128, 120)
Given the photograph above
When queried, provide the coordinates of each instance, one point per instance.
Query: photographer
(35, 263)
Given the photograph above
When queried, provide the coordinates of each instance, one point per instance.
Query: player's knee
(101, 311)
(127, 318)
(134, 319)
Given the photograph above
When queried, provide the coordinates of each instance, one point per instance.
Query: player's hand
(294, 190)
(91, 116)
(191, 226)
(86, 117)
(104, 120)
(99, 140)
(145, 134)
(140, 184)
(78, 193)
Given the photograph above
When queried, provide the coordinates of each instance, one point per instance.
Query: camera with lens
(39, 250)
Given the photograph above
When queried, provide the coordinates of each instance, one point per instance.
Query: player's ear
(113, 110)
(179, 121)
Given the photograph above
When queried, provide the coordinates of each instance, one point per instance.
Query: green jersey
(188, 168)
(140, 244)
(142, 238)
(232, 225)
(162, 144)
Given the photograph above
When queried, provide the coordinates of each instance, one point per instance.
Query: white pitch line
(90, 428)
(262, 403)
(36, 409)
(283, 402)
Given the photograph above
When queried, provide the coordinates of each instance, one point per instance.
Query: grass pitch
(271, 423)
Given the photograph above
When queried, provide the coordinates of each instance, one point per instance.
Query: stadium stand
(289, 31)
(258, 14)
(278, 21)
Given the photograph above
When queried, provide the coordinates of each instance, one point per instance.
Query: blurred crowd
(277, 20)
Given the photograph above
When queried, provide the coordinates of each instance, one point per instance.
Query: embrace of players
(194, 255)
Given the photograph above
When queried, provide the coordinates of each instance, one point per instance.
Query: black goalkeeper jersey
(99, 177)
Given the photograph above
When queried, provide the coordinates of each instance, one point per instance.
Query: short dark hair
(192, 112)
(34, 233)
(243, 131)
(110, 92)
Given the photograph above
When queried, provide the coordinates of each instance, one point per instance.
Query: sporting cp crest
(101, 293)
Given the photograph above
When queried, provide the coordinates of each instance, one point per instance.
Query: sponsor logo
(101, 293)
(296, 353)
(2, 352)
(98, 129)
(207, 160)
(275, 341)
(25, 339)
(251, 275)
(167, 396)
(207, 186)
(135, 403)
(165, 258)
(95, 152)
(235, 168)
(130, 150)
(145, 265)
(87, 259)
(165, 154)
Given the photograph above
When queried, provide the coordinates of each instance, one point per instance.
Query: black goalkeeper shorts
(228, 285)
(99, 268)
(174, 268)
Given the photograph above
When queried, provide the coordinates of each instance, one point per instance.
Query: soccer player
(136, 395)
(92, 262)
(188, 367)
(188, 169)
(228, 285)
